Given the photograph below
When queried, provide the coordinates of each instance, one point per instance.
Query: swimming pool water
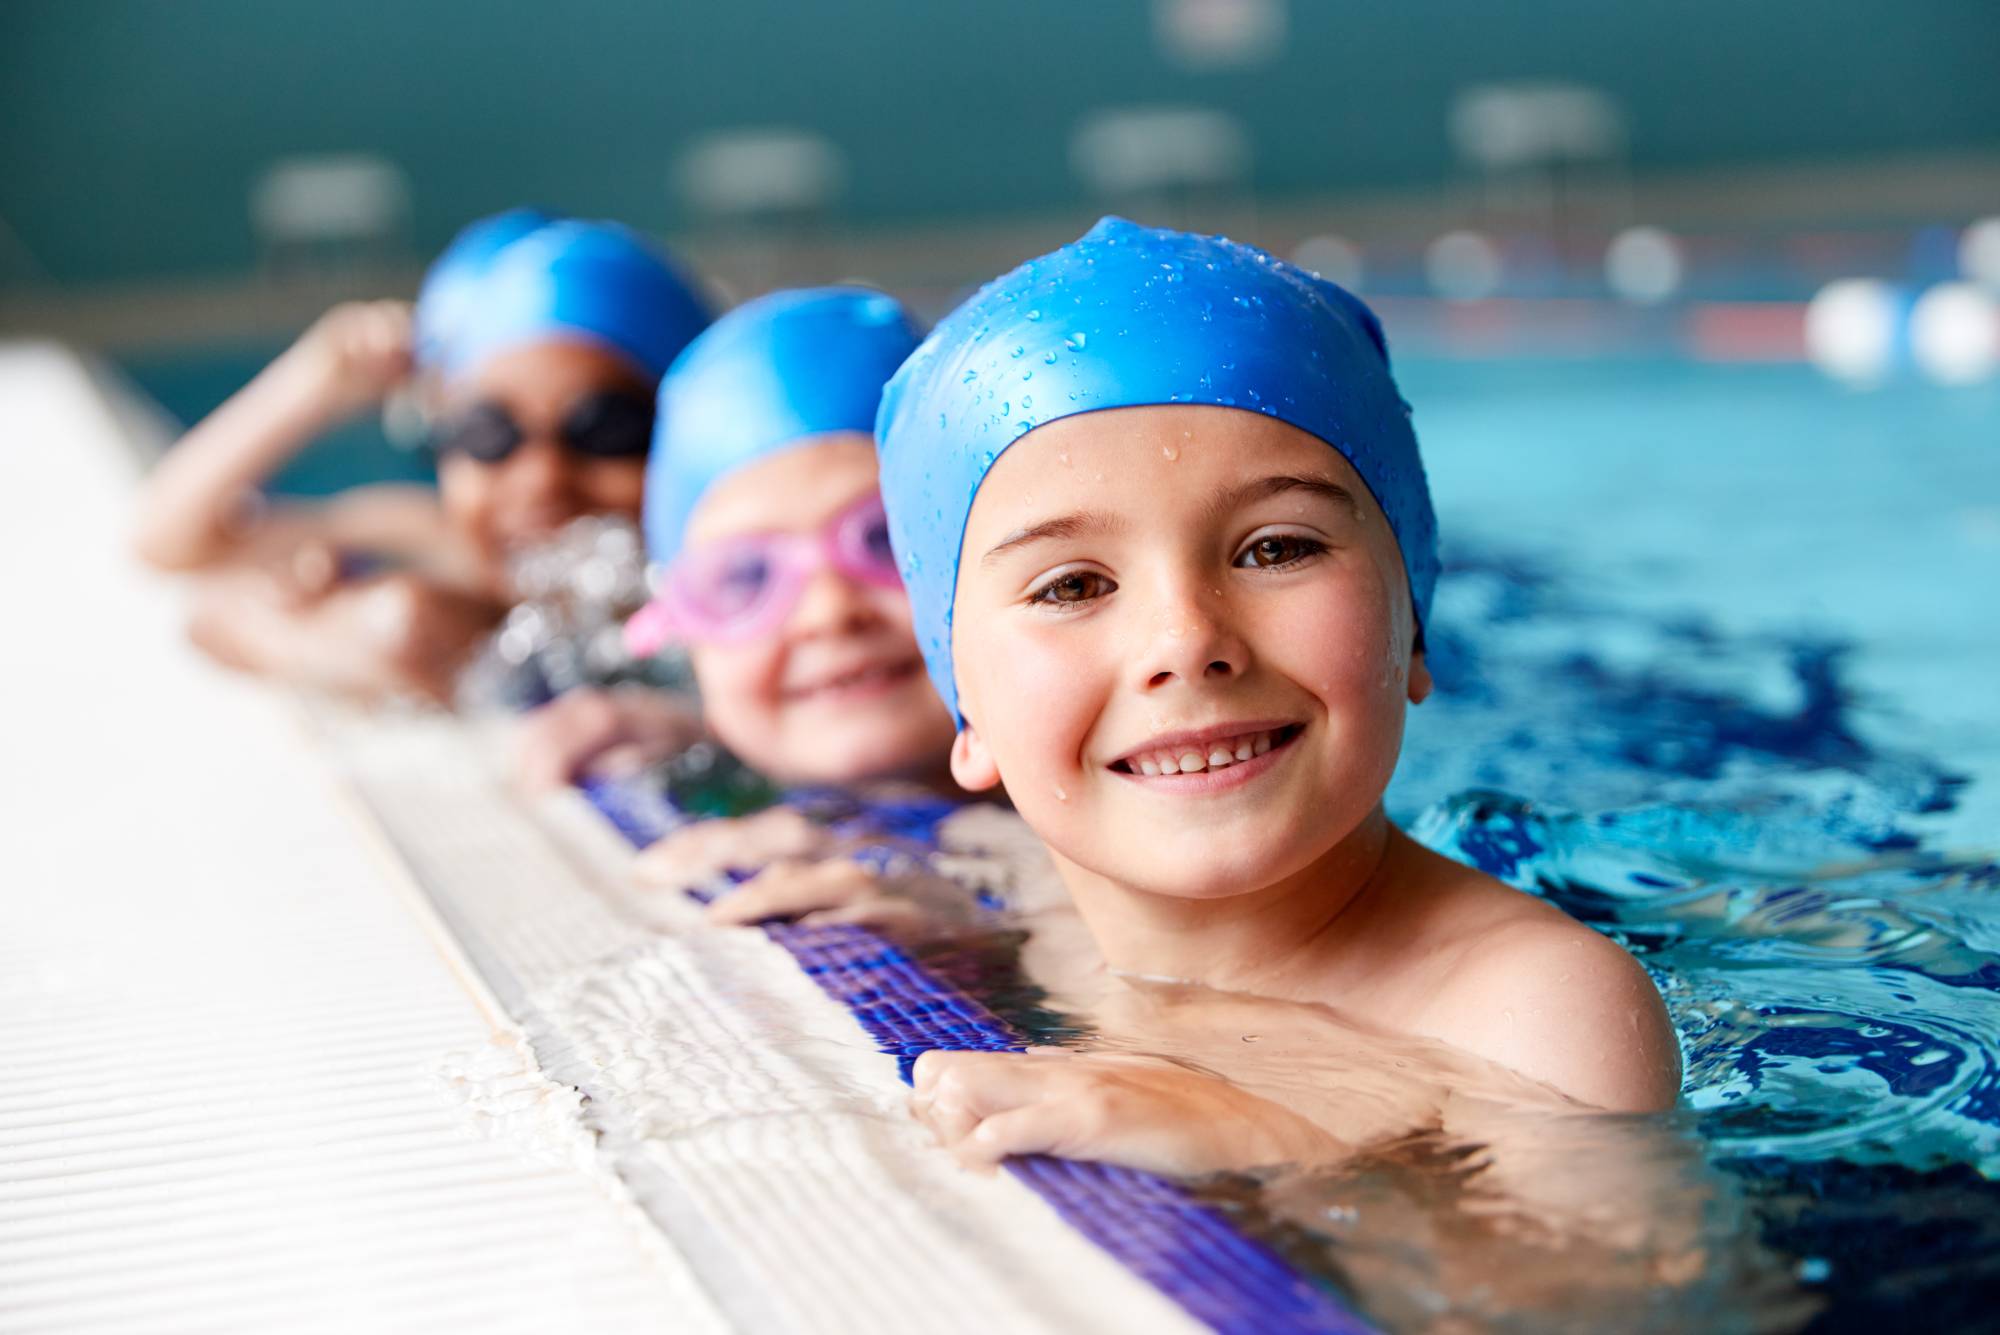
(1715, 653)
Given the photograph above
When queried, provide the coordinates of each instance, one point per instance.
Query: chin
(1212, 865)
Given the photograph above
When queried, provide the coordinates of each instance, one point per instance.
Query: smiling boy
(1170, 551)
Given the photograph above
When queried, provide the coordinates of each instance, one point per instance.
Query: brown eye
(1278, 550)
(1078, 587)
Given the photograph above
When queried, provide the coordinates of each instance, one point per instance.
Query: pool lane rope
(1153, 1226)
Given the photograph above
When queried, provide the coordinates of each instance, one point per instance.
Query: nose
(1191, 639)
(538, 478)
(831, 604)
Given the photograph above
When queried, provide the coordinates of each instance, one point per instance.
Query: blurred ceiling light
(737, 173)
(341, 197)
(1331, 257)
(1644, 265)
(1979, 253)
(1463, 266)
(1851, 328)
(1220, 34)
(1136, 150)
(1501, 126)
(1955, 333)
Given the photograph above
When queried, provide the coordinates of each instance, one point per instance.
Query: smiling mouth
(1215, 753)
(860, 681)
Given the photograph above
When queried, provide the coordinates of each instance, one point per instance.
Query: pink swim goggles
(741, 588)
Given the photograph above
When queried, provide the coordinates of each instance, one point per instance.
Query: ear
(971, 763)
(1420, 678)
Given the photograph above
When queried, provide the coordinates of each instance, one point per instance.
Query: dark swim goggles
(606, 425)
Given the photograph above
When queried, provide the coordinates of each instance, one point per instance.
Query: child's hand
(593, 731)
(1141, 1112)
(354, 355)
(908, 907)
(696, 853)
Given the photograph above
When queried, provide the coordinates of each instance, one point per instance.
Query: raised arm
(196, 508)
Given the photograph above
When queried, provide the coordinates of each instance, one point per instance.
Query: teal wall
(130, 129)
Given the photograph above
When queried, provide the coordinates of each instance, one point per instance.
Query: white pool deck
(288, 1003)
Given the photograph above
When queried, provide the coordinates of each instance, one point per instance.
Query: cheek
(1343, 645)
(1040, 688)
(739, 694)
(892, 606)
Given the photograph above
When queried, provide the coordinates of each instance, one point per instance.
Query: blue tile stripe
(1154, 1227)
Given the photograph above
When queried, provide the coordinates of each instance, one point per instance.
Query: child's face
(1141, 586)
(542, 483)
(837, 693)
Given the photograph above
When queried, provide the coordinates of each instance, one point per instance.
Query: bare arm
(199, 503)
(393, 635)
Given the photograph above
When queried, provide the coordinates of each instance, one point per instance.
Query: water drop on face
(1062, 793)
(1170, 452)
(1251, 1038)
(1063, 458)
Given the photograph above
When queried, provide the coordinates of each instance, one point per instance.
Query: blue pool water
(1716, 651)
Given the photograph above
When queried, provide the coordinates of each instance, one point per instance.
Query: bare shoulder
(1538, 992)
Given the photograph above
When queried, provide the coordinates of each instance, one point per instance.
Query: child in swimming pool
(764, 518)
(539, 342)
(1170, 552)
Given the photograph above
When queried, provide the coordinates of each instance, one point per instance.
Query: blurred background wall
(185, 183)
(133, 131)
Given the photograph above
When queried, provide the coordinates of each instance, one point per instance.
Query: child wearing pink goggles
(774, 574)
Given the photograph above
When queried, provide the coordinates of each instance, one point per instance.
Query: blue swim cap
(1127, 317)
(523, 275)
(770, 374)
(451, 284)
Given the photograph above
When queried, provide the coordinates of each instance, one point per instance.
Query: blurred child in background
(775, 575)
(535, 345)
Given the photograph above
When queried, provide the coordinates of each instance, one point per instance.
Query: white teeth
(1216, 755)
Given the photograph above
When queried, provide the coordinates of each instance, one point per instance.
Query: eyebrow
(1248, 493)
(1264, 488)
(1063, 526)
